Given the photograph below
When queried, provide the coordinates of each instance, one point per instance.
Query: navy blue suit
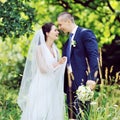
(86, 47)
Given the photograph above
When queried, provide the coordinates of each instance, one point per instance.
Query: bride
(41, 95)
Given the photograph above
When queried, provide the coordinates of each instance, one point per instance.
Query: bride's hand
(62, 60)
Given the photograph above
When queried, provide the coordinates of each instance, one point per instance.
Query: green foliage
(20, 17)
(16, 18)
(12, 59)
(105, 105)
(103, 17)
(9, 109)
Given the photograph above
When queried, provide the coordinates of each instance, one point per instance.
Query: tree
(16, 17)
(102, 16)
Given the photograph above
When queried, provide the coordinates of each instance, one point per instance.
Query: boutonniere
(73, 43)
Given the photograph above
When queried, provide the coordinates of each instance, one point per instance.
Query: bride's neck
(49, 46)
(49, 43)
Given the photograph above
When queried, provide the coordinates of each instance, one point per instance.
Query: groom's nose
(59, 27)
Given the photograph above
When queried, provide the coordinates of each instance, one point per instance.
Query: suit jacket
(85, 51)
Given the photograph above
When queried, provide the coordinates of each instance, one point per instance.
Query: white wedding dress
(45, 100)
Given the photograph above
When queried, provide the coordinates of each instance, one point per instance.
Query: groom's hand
(91, 84)
(70, 78)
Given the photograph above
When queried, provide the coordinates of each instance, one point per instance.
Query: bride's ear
(47, 34)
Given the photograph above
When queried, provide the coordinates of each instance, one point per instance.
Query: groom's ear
(67, 20)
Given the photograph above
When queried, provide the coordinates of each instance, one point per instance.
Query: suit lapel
(64, 48)
(76, 37)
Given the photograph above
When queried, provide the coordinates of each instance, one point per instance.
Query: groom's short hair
(66, 15)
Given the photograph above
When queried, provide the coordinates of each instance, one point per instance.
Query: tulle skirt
(45, 100)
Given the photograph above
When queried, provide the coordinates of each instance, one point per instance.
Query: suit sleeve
(91, 49)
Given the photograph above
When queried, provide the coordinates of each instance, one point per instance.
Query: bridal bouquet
(84, 93)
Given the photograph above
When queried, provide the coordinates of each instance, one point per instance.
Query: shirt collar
(74, 30)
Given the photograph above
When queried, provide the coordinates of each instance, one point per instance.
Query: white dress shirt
(73, 32)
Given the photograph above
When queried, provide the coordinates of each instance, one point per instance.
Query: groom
(81, 50)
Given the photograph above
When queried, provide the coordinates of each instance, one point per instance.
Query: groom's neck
(72, 27)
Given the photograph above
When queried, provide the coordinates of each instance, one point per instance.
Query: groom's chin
(65, 32)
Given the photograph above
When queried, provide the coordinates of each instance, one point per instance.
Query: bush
(12, 59)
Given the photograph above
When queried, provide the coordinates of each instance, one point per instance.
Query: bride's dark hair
(46, 28)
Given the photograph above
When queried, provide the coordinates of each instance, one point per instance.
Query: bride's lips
(56, 35)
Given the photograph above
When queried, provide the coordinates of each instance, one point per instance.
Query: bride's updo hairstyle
(47, 28)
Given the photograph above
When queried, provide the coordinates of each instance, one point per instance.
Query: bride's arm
(42, 65)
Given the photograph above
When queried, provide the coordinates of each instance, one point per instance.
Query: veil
(30, 69)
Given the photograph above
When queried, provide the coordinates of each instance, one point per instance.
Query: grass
(105, 105)
(8, 106)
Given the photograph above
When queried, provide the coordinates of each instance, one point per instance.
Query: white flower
(93, 103)
(73, 43)
(84, 93)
